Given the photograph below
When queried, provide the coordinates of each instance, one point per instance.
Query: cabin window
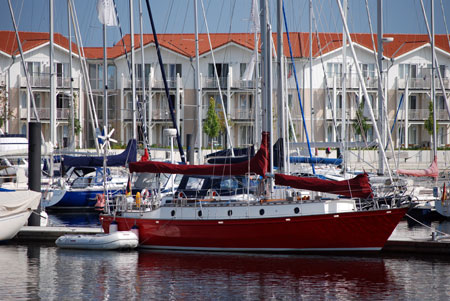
(296, 210)
(230, 212)
(261, 212)
(194, 183)
(200, 213)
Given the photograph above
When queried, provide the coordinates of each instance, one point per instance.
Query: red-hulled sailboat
(232, 207)
(241, 221)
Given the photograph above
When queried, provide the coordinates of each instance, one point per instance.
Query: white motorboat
(113, 241)
(15, 209)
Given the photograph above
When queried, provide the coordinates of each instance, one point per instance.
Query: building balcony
(44, 113)
(423, 114)
(43, 81)
(352, 82)
(211, 83)
(351, 114)
(243, 114)
(423, 83)
(244, 84)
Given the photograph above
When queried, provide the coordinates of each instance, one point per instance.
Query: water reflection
(46, 272)
(249, 277)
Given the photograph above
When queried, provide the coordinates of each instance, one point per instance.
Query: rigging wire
(383, 100)
(218, 82)
(298, 90)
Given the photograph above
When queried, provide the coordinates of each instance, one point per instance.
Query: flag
(128, 189)
(254, 17)
(145, 157)
(106, 12)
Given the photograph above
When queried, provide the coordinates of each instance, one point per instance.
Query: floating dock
(36, 234)
(51, 234)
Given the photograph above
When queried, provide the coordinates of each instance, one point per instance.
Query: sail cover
(432, 171)
(315, 160)
(358, 187)
(258, 164)
(127, 156)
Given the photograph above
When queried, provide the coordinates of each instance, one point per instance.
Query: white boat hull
(11, 225)
(113, 241)
(15, 209)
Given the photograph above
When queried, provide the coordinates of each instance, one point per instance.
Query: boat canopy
(431, 171)
(258, 164)
(315, 160)
(358, 187)
(127, 156)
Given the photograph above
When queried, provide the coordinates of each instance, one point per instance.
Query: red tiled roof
(184, 45)
(30, 40)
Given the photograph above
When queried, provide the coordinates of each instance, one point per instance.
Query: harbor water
(30, 272)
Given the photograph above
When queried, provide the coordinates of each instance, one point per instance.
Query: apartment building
(406, 68)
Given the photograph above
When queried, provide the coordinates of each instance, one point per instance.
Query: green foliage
(5, 112)
(429, 122)
(360, 125)
(211, 126)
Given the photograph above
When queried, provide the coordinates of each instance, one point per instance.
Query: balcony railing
(211, 82)
(423, 83)
(244, 84)
(43, 80)
(44, 113)
(243, 114)
(352, 82)
(423, 114)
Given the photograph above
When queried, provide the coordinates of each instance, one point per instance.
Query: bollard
(34, 166)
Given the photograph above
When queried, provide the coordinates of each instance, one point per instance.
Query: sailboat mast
(71, 102)
(133, 82)
(433, 92)
(105, 82)
(144, 96)
(311, 101)
(344, 91)
(381, 123)
(197, 88)
(280, 89)
(52, 89)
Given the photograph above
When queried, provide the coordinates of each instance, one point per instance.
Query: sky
(177, 16)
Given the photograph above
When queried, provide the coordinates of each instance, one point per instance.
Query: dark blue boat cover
(127, 156)
(315, 160)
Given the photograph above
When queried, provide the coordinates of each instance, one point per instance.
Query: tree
(429, 122)
(211, 126)
(5, 112)
(361, 126)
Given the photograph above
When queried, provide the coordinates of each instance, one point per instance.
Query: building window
(334, 69)
(138, 70)
(407, 71)
(243, 67)
(222, 70)
(368, 70)
(412, 135)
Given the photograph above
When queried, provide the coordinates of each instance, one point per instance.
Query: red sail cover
(358, 187)
(258, 164)
(432, 171)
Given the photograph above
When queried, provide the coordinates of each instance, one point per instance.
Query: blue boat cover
(127, 156)
(316, 160)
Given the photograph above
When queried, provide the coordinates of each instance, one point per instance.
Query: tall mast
(105, 82)
(311, 101)
(144, 96)
(52, 83)
(280, 87)
(71, 102)
(344, 91)
(381, 116)
(133, 82)
(433, 92)
(197, 88)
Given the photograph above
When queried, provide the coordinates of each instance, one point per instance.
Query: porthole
(200, 213)
(261, 212)
(296, 210)
(230, 212)
(172, 213)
